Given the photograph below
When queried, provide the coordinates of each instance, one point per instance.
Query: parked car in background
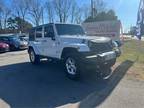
(24, 37)
(14, 42)
(4, 47)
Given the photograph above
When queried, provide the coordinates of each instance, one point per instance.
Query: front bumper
(98, 61)
(2, 50)
(21, 47)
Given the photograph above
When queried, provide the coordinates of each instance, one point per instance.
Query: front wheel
(71, 67)
(35, 59)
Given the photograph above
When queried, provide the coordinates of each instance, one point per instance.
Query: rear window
(39, 32)
(32, 35)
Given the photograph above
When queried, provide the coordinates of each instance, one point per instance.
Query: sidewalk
(128, 94)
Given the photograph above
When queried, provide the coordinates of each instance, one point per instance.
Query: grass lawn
(133, 50)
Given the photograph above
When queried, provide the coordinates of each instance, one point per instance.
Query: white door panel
(39, 46)
(49, 47)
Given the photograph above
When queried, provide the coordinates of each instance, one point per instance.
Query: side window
(32, 35)
(39, 32)
(48, 31)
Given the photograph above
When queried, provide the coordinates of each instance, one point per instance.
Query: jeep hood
(96, 39)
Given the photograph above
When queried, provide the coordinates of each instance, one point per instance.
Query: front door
(49, 42)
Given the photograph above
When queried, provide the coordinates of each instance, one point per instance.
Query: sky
(126, 10)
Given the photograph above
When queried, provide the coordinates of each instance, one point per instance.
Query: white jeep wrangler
(68, 43)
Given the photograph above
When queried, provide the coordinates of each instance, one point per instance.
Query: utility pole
(92, 8)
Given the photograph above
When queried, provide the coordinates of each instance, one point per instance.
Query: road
(23, 85)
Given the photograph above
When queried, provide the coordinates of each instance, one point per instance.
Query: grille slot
(101, 47)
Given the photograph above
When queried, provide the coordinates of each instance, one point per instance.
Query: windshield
(14, 38)
(69, 29)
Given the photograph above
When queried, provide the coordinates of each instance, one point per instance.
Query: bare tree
(79, 15)
(36, 11)
(62, 8)
(73, 11)
(21, 8)
(4, 14)
(99, 5)
(50, 11)
(86, 11)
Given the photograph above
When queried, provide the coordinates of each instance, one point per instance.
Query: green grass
(133, 50)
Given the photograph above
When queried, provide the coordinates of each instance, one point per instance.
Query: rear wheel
(71, 67)
(35, 59)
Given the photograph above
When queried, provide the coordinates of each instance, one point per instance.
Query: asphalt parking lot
(23, 85)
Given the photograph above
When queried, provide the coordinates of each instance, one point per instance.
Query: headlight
(87, 42)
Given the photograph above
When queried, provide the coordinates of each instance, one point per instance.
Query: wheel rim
(71, 66)
(32, 56)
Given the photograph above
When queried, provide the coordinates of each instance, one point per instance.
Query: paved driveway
(23, 85)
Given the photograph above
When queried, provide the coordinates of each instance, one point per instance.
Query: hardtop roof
(54, 24)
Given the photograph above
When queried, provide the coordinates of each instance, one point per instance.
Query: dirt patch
(136, 72)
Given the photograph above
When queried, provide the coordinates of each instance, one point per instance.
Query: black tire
(75, 75)
(35, 59)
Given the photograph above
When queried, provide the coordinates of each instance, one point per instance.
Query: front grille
(101, 47)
